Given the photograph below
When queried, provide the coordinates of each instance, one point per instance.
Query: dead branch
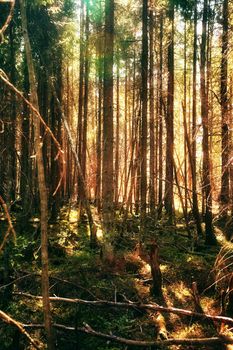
(132, 305)
(140, 343)
(8, 20)
(10, 225)
(9, 320)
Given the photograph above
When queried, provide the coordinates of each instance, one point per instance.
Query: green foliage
(41, 2)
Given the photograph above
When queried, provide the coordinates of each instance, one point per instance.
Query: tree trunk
(207, 191)
(107, 171)
(152, 115)
(160, 142)
(41, 181)
(144, 96)
(195, 210)
(168, 201)
(80, 98)
(99, 68)
(117, 136)
(224, 196)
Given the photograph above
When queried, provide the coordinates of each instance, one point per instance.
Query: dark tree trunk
(168, 200)
(81, 96)
(117, 136)
(99, 68)
(152, 116)
(160, 142)
(207, 191)
(195, 209)
(144, 96)
(224, 196)
(107, 171)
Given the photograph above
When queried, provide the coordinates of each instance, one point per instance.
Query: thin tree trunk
(224, 196)
(152, 115)
(86, 92)
(168, 200)
(185, 121)
(107, 171)
(99, 50)
(160, 146)
(144, 96)
(81, 96)
(207, 191)
(195, 210)
(117, 136)
(41, 181)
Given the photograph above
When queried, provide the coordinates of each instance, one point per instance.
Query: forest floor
(76, 271)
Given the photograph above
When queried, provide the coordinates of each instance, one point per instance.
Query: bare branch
(140, 306)
(10, 225)
(9, 320)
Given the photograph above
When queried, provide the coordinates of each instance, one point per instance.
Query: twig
(9, 320)
(140, 306)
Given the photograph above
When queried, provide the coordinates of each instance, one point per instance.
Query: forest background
(115, 118)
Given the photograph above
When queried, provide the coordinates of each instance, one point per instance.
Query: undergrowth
(78, 272)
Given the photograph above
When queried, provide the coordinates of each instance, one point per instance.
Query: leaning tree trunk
(41, 181)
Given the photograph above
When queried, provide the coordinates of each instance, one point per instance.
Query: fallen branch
(9, 320)
(133, 305)
(140, 343)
